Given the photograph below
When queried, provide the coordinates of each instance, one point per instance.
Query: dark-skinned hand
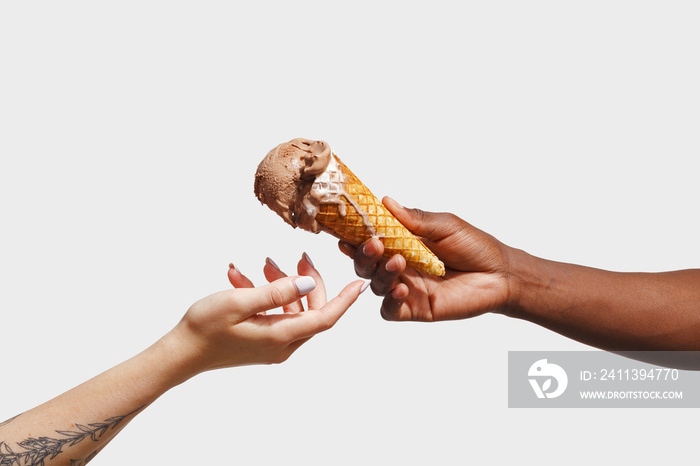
(476, 278)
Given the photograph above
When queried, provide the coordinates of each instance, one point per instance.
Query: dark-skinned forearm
(610, 310)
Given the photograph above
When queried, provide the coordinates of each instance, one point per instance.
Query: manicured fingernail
(365, 285)
(231, 266)
(308, 259)
(272, 263)
(304, 284)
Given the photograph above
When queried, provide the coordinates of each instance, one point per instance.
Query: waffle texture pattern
(351, 227)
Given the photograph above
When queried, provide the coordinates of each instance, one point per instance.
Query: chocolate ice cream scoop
(285, 176)
(307, 185)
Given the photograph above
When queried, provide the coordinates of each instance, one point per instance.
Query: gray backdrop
(129, 136)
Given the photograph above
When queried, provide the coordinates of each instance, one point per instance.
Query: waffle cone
(351, 227)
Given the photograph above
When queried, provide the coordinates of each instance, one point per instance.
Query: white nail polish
(364, 286)
(304, 284)
(308, 259)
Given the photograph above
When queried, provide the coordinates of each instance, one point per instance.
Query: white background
(129, 135)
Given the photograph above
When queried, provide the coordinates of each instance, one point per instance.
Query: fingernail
(365, 285)
(231, 266)
(391, 200)
(304, 284)
(272, 263)
(369, 249)
(308, 259)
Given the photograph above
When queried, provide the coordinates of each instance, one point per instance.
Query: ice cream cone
(307, 185)
(358, 215)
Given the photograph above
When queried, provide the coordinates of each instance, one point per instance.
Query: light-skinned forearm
(610, 310)
(226, 329)
(71, 428)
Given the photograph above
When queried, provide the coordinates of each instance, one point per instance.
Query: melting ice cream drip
(328, 188)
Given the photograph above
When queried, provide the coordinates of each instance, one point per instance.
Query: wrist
(526, 278)
(178, 356)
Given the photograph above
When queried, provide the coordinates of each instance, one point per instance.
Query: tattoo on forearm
(36, 450)
(82, 462)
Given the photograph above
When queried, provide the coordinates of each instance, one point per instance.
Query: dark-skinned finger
(386, 276)
(424, 224)
(366, 257)
(347, 249)
(393, 304)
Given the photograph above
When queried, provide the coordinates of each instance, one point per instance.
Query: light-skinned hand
(232, 327)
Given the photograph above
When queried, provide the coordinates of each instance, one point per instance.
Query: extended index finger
(309, 323)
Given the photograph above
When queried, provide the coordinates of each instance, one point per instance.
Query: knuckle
(227, 298)
(418, 213)
(378, 287)
(276, 297)
(452, 218)
(454, 222)
(360, 258)
(326, 323)
(365, 271)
